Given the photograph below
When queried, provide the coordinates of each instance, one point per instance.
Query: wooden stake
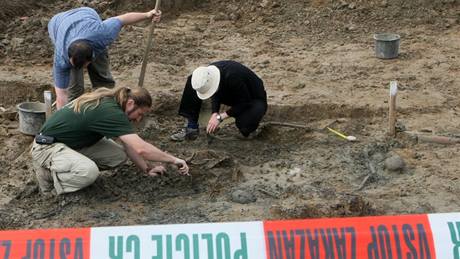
(48, 103)
(392, 109)
(147, 48)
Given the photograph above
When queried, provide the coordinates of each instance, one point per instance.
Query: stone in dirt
(395, 163)
(243, 197)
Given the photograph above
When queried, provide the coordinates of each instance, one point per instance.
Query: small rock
(300, 86)
(342, 4)
(264, 3)
(378, 157)
(395, 163)
(221, 17)
(235, 16)
(44, 22)
(292, 69)
(243, 197)
(428, 130)
(350, 27)
(400, 127)
(294, 171)
(17, 41)
(3, 132)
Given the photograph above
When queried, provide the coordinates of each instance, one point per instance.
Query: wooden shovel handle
(438, 139)
(147, 48)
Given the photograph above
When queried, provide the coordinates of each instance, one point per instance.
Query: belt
(44, 140)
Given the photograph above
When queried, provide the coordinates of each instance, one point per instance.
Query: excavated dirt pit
(285, 172)
(318, 72)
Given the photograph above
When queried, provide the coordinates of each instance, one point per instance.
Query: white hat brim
(213, 82)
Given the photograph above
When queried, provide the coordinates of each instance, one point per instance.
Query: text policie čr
(163, 247)
(401, 242)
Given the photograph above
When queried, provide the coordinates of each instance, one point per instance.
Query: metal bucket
(386, 45)
(32, 115)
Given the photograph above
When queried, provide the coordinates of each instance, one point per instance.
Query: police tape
(427, 236)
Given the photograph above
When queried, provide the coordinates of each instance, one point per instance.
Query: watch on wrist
(219, 118)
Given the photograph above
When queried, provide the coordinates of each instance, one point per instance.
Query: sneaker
(185, 134)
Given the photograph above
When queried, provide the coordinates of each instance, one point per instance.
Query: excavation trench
(294, 168)
(285, 172)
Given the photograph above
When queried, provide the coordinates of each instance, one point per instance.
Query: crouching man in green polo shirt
(77, 140)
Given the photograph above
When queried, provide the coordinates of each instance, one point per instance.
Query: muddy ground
(317, 61)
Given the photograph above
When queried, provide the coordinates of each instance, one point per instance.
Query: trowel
(349, 138)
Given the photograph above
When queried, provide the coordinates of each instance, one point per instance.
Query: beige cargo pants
(68, 170)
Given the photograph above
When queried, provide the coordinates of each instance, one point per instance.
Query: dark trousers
(247, 119)
(99, 74)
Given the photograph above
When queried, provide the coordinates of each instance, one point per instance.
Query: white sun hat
(205, 81)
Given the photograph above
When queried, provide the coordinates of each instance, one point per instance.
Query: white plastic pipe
(392, 109)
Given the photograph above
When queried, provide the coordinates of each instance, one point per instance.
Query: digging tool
(290, 125)
(434, 138)
(438, 139)
(349, 138)
(322, 127)
(147, 48)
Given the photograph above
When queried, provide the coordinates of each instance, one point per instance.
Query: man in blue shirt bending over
(80, 41)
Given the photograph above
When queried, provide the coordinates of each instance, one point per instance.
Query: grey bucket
(386, 45)
(32, 115)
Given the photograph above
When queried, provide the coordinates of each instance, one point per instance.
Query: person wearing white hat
(225, 82)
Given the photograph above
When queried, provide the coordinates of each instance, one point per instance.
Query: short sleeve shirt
(85, 128)
(78, 24)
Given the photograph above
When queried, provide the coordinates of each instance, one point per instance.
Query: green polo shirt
(83, 129)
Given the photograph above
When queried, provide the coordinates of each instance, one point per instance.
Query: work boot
(44, 179)
(185, 134)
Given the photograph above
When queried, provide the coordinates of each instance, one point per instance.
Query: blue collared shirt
(78, 24)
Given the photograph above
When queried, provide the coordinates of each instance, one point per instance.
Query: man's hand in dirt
(155, 15)
(213, 124)
(182, 166)
(156, 170)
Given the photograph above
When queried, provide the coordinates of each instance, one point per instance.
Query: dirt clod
(395, 163)
(243, 197)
